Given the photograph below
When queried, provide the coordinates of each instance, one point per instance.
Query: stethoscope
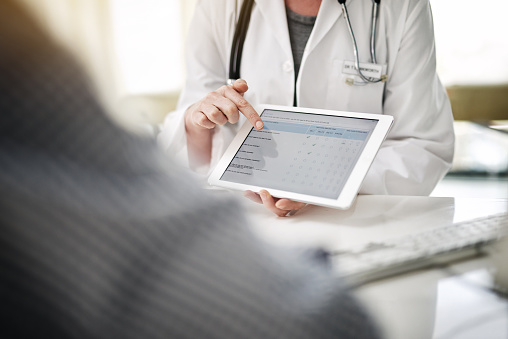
(243, 25)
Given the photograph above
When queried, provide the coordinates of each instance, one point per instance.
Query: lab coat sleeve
(206, 72)
(419, 149)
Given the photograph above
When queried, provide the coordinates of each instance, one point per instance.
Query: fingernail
(259, 125)
(264, 194)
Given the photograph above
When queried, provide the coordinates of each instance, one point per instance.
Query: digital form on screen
(301, 152)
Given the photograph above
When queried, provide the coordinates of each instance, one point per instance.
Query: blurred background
(133, 50)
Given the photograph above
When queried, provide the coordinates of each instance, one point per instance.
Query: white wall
(471, 41)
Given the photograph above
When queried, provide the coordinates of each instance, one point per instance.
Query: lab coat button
(287, 66)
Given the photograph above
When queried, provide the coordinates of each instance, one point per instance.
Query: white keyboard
(428, 248)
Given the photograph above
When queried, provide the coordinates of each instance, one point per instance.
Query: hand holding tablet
(309, 155)
(281, 207)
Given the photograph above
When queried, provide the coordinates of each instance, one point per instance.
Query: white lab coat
(419, 149)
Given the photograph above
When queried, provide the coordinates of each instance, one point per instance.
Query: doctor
(301, 52)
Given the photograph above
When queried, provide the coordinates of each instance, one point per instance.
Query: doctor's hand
(222, 106)
(281, 207)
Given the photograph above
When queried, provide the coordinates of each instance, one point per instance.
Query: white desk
(422, 304)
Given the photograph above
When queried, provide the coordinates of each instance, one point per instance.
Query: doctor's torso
(267, 61)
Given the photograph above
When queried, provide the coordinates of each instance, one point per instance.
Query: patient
(101, 237)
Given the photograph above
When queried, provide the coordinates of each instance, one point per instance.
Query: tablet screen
(305, 153)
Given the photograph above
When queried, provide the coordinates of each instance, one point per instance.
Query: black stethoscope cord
(238, 41)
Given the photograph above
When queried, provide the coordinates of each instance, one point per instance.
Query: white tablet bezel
(353, 183)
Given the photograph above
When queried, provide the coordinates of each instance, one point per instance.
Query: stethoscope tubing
(238, 41)
(373, 33)
(372, 40)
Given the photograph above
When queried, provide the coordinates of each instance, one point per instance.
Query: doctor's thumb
(240, 86)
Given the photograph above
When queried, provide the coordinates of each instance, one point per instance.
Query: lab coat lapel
(325, 21)
(274, 12)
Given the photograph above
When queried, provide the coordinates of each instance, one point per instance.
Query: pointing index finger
(235, 94)
(250, 113)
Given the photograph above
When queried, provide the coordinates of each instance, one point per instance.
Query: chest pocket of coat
(366, 98)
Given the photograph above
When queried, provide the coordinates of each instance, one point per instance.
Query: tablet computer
(310, 155)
